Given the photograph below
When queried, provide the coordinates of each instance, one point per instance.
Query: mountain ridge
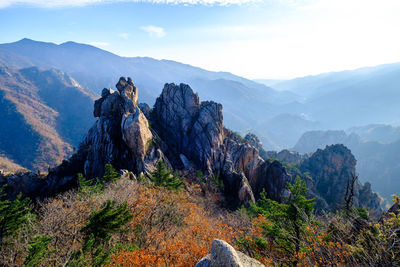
(40, 122)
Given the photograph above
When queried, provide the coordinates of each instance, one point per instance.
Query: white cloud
(124, 35)
(73, 3)
(154, 31)
(99, 44)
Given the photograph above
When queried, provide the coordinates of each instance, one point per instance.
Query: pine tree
(106, 221)
(13, 214)
(286, 222)
(110, 175)
(93, 186)
(38, 250)
(98, 230)
(165, 178)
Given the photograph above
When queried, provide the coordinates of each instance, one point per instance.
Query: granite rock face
(222, 254)
(330, 169)
(121, 136)
(272, 178)
(188, 126)
(193, 131)
(188, 134)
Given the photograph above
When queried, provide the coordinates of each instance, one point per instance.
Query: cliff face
(188, 126)
(121, 135)
(331, 169)
(194, 130)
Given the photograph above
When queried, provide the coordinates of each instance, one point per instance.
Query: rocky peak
(330, 169)
(254, 141)
(189, 126)
(128, 90)
(223, 254)
(193, 131)
(121, 135)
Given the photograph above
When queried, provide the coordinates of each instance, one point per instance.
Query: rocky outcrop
(33, 184)
(145, 109)
(188, 126)
(188, 134)
(254, 141)
(222, 254)
(331, 169)
(272, 178)
(289, 156)
(194, 133)
(121, 136)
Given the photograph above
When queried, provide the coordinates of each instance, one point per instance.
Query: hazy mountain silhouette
(350, 98)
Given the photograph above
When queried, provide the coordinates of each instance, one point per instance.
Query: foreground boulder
(223, 255)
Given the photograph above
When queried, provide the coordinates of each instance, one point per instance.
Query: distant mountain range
(279, 117)
(350, 98)
(248, 105)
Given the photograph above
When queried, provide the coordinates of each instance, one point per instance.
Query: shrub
(110, 175)
(13, 214)
(284, 224)
(38, 250)
(165, 178)
(96, 249)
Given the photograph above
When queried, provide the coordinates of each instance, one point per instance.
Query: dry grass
(8, 165)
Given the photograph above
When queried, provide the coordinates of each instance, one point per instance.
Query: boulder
(223, 255)
(125, 174)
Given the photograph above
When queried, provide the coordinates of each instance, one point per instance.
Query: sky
(257, 39)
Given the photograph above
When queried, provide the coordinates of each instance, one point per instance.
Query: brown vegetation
(176, 228)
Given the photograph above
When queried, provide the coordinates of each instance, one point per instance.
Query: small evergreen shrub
(13, 214)
(97, 250)
(165, 178)
(38, 250)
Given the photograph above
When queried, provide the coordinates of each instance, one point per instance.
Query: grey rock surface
(121, 136)
(224, 255)
(193, 130)
(330, 169)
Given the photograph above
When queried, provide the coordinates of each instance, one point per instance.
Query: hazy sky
(255, 39)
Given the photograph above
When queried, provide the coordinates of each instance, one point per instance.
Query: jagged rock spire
(121, 136)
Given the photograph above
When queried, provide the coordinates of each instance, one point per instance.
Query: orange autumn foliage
(171, 229)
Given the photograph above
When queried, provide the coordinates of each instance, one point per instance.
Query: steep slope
(8, 165)
(40, 122)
